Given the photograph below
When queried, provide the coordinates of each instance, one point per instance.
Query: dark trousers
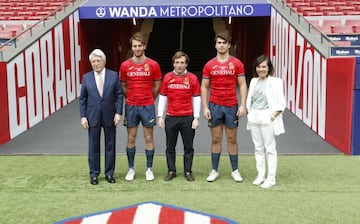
(174, 125)
(94, 149)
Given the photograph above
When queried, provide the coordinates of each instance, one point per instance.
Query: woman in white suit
(265, 104)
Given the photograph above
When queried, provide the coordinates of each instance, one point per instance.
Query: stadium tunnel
(42, 73)
(190, 27)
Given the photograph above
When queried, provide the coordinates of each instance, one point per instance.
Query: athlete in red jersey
(140, 77)
(221, 75)
(224, 78)
(140, 81)
(180, 90)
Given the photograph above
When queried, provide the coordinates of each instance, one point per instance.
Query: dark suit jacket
(93, 106)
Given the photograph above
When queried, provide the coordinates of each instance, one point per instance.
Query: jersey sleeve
(122, 72)
(157, 71)
(205, 72)
(163, 89)
(240, 69)
(196, 86)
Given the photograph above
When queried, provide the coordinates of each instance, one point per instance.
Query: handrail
(53, 15)
(322, 44)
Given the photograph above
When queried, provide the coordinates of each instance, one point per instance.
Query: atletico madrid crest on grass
(148, 213)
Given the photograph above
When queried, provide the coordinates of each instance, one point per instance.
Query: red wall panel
(340, 82)
(4, 116)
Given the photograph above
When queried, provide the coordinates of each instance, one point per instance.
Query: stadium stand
(336, 25)
(324, 7)
(318, 3)
(352, 22)
(6, 34)
(17, 15)
(329, 16)
(28, 9)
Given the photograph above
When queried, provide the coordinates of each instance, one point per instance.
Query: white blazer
(275, 98)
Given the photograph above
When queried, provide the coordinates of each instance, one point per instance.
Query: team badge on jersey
(186, 81)
(231, 65)
(146, 67)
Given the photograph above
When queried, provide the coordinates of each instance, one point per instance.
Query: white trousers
(264, 141)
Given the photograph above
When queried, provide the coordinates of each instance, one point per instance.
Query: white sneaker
(213, 175)
(149, 174)
(269, 182)
(236, 176)
(130, 175)
(259, 180)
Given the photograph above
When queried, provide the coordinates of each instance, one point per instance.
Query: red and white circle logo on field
(148, 213)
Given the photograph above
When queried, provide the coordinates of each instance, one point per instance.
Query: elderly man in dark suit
(101, 102)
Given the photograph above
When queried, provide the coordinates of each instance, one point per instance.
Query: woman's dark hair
(260, 60)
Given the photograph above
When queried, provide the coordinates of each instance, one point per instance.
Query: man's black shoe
(110, 179)
(189, 176)
(94, 180)
(170, 176)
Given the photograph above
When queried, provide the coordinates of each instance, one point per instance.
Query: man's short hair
(97, 52)
(139, 37)
(223, 36)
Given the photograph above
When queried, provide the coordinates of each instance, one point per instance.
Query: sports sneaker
(236, 176)
(213, 175)
(149, 174)
(130, 175)
(259, 180)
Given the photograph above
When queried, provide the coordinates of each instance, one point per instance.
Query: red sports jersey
(223, 80)
(179, 90)
(140, 81)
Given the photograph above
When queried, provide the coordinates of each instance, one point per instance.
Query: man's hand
(84, 123)
(241, 111)
(195, 123)
(207, 114)
(161, 122)
(117, 119)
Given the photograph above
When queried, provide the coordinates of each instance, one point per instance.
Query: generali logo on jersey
(148, 213)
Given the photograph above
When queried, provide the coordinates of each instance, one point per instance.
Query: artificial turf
(310, 189)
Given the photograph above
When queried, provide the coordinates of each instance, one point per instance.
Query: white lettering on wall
(59, 67)
(72, 74)
(290, 72)
(303, 71)
(47, 74)
(319, 94)
(40, 81)
(182, 11)
(33, 85)
(17, 104)
(298, 109)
